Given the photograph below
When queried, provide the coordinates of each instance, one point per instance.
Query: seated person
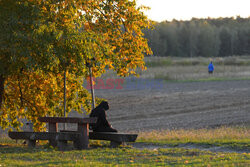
(102, 125)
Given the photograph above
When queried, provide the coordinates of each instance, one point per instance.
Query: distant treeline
(201, 37)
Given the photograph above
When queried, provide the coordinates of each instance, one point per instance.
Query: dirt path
(144, 105)
(190, 146)
(150, 105)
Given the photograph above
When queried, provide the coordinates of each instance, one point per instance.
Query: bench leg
(76, 144)
(31, 143)
(83, 141)
(62, 144)
(53, 127)
(115, 144)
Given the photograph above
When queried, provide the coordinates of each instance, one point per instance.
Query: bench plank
(116, 137)
(44, 135)
(60, 138)
(67, 119)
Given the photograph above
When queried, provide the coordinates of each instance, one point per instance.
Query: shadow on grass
(18, 148)
(23, 148)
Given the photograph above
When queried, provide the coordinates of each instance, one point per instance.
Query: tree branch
(20, 89)
(2, 79)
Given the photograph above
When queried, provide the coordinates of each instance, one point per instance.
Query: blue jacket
(211, 67)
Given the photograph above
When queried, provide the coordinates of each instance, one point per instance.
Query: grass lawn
(16, 154)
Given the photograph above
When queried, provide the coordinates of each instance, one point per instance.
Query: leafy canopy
(42, 39)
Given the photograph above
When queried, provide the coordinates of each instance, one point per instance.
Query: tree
(40, 40)
(200, 37)
(184, 40)
(157, 40)
(226, 43)
(172, 40)
(208, 41)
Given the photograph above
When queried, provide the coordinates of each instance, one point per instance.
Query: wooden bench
(60, 137)
(115, 139)
(79, 137)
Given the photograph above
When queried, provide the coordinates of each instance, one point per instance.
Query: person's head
(104, 105)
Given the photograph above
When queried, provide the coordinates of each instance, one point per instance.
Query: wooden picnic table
(82, 128)
(80, 137)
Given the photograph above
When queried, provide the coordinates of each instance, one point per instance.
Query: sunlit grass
(236, 137)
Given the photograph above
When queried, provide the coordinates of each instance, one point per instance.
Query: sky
(186, 9)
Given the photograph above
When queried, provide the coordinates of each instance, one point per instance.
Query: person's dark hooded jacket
(102, 125)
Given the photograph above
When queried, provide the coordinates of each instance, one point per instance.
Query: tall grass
(229, 136)
(170, 61)
(199, 134)
(196, 68)
(190, 69)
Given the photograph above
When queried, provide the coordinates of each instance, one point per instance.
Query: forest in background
(219, 37)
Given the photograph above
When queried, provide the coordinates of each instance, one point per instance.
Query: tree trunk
(1, 90)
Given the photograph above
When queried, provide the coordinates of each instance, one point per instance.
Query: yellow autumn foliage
(42, 39)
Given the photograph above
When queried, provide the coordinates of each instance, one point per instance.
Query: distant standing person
(210, 68)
